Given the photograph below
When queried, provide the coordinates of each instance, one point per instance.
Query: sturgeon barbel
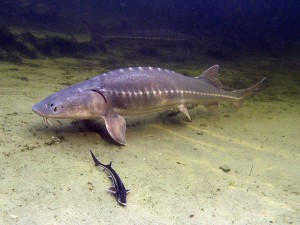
(137, 90)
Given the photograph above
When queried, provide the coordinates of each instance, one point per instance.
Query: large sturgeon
(137, 90)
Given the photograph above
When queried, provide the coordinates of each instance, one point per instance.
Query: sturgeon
(152, 35)
(118, 187)
(155, 37)
(137, 90)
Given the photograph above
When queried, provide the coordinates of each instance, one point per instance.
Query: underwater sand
(171, 165)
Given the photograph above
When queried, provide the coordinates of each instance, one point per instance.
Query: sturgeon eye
(51, 105)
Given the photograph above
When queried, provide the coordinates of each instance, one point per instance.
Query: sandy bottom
(171, 165)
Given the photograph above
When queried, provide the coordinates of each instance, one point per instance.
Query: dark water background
(268, 26)
(47, 174)
(255, 20)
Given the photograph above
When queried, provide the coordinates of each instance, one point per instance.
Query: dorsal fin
(109, 165)
(211, 75)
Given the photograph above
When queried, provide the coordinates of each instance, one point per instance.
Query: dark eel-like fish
(118, 187)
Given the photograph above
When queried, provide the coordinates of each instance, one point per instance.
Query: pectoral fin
(116, 127)
(112, 190)
(182, 108)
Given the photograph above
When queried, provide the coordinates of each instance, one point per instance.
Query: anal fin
(212, 106)
(237, 104)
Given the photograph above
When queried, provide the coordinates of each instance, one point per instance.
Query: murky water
(172, 166)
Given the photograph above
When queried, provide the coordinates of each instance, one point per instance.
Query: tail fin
(242, 94)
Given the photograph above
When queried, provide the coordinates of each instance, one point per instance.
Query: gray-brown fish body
(152, 37)
(155, 37)
(136, 90)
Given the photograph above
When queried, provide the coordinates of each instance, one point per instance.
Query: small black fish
(118, 189)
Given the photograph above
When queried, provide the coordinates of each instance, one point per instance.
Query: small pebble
(13, 216)
(225, 168)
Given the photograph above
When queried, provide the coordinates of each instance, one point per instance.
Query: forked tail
(240, 95)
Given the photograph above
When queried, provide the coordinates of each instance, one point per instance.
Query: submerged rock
(225, 168)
